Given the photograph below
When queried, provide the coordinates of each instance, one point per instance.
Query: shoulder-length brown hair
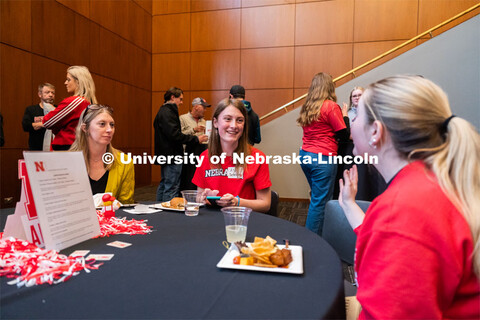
(321, 89)
(214, 145)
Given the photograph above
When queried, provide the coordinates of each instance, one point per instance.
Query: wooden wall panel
(80, 6)
(206, 5)
(433, 12)
(385, 20)
(215, 70)
(140, 27)
(324, 22)
(268, 26)
(170, 6)
(364, 52)
(145, 4)
(255, 3)
(10, 185)
(41, 39)
(139, 123)
(47, 70)
(117, 19)
(216, 30)
(264, 101)
(75, 37)
(170, 70)
(108, 59)
(15, 23)
(333, 59)
(267, 68)
(138, 71)
(16, 94)
(171, 33)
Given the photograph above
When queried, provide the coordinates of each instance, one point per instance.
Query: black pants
(188, 169)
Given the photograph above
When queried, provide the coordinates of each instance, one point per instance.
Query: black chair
(273, 211)
(338, 232)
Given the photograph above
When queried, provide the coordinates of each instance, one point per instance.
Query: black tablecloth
(171, 274)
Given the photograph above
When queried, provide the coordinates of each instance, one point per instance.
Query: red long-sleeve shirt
(64, 119)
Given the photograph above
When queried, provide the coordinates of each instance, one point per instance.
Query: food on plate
(247, 261)
(175, 203)
(263, 253)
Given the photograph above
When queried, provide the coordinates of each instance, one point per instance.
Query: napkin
(142, 209)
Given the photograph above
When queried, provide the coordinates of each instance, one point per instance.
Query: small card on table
(100, 257)
(119, 244)
(79, 253)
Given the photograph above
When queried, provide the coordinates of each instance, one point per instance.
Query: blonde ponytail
(418, 118)
(457, 167)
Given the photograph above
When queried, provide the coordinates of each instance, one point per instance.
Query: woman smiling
(242, 184)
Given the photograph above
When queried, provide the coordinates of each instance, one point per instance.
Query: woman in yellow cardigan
(105, 170)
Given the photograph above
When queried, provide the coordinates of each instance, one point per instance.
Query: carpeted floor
(294, 211)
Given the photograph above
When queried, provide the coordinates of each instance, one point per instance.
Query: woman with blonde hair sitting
(418, 245)
(106, 173)
(64, 119)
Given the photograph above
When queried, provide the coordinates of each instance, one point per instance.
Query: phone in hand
(213, 201)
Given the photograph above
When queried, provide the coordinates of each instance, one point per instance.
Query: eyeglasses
(356, 96)
(98, 107)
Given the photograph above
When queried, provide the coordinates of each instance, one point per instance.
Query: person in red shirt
(323, 123)
(64, 119)
(418, 244)
(238, 184)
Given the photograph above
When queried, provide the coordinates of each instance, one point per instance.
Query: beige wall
(274, 47)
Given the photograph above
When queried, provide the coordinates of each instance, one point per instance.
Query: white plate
(160, 206)
(296, 266)
(143, 211)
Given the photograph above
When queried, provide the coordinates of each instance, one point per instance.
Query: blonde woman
(64, 119)
(323, 123)
(238, 184)
(371, 183)
(351, 108)
(418, 245)
(94, 134)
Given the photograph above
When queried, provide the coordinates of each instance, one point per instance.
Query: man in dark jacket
(169, 141)
(39, 138)
(254, 136)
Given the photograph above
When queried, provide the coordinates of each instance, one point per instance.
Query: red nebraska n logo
(39, 166)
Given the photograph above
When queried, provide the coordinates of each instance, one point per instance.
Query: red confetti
(114, 225)
(31, 265)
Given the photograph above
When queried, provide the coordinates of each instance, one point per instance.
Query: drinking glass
(236, 222)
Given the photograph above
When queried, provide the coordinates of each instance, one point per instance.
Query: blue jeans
(169, 186)
(321, 178)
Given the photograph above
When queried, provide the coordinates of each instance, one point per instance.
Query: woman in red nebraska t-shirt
(322, 123)
(418, 245)
(247, 185)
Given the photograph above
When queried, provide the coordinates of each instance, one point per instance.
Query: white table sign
(63, 198)
(24, 223)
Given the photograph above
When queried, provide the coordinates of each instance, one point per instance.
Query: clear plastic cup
(192, 202)
(236, 222)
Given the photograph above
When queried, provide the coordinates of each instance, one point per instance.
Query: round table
(171, 273)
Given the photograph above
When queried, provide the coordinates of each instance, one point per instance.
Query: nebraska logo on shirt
(230, 172)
